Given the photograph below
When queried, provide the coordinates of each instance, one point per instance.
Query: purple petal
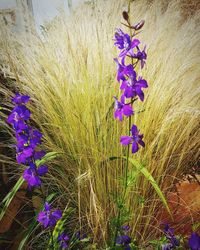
(125, 140)
(194, 241)
(135, 43)
(135, 147)
(57, 214)
(142, 83)
(118, 115)
(127, 110)
(42, 170)
(134, 130)
(140, 93)
(123, 85)
(47, 206)
(141, 143)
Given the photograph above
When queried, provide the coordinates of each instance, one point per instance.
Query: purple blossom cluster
(169, 233)
(131, 84)
(27, 141)
(124, 240)
(174, 242)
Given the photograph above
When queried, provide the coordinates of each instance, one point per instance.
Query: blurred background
(14, 12)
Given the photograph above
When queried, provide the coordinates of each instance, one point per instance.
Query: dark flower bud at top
(125, 15)
(139, 25)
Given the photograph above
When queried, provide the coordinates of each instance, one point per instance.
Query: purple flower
(125, 228)
(31, 177)
(48, 218)
(39, 154)
(25, 155)
(19, 99)
(169, 233)
(42, 170)
(123, 70)
(63, 239)
(124, 43)
(18, 117)
(140, 55)
(194, 241)
(135, 139)
(79, 236)
(32, 174)
(121, 108)
(124, 240)
(133, 87)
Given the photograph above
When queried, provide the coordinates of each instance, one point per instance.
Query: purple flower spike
(121, 108)
(63, 239)
(135, 139)
(194, 241)
(48, 218)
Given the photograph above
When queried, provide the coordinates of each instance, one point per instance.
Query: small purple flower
(124, 240)
(24, 156)
(48, 218)
(32, 179)
(125, 228)
(169, 233)
(140, 55)
(123, 70)
(121, 108)
(19, 99)
(42, 170)
(135, 139)
(124, 43)
(63, 239)
(133, 87)
(194, 241)
(80, 236)
(39, 154)
(32, 174)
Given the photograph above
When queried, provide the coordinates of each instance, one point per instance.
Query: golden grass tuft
(70, 76)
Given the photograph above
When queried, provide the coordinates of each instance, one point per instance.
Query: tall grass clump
(70, 76)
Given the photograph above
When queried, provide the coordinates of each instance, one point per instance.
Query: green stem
(127, 159)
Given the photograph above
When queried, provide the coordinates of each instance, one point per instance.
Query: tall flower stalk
(28, 139)
(131, 86)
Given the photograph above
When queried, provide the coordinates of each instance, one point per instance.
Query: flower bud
(139, 25)
(125, 15)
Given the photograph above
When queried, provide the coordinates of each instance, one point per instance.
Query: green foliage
(48, 157)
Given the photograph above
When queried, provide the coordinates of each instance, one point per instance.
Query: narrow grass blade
(143, 170)
(48, 157)
(7, 200)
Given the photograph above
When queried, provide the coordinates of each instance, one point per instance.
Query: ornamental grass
(70, 75)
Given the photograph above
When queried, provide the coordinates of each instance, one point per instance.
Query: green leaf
(143, 170)
(48, 157)
(7, 200)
